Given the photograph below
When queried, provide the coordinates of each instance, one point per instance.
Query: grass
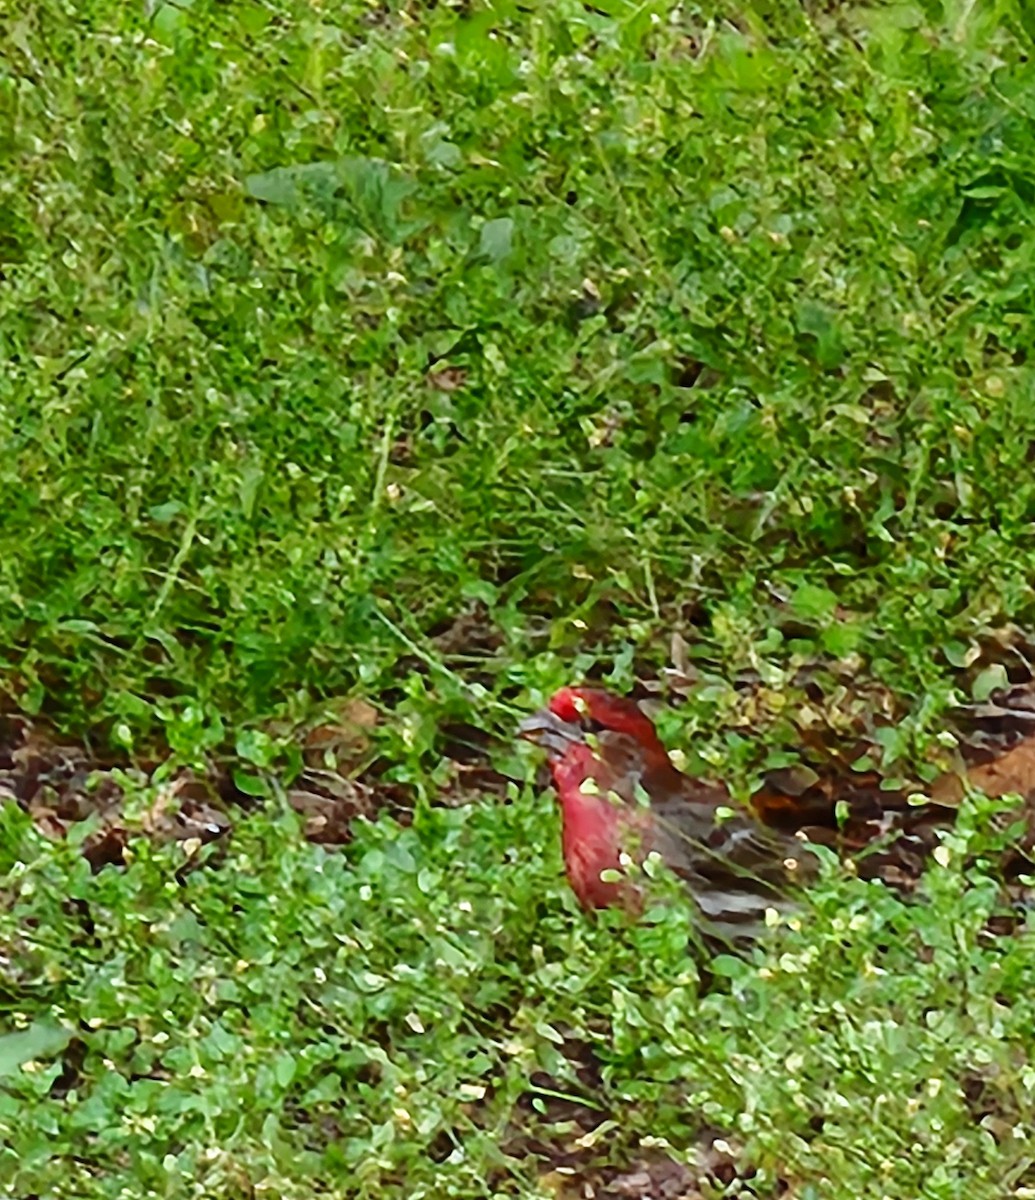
(441, 355)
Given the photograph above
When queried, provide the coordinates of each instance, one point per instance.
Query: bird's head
(575, 712)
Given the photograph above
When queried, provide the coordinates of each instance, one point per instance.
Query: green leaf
(496, 239)
(729, 967)
(842, 638)
(290, 186)
(164, 513)
(992, 679)
(42, 1039)
(959, 654)
(813, 602)
(78, 625)
(256, 747)
(284, 1068)
(249, 784)
(480, 589)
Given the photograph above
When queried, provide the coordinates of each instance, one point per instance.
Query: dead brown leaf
(342, 743)
(447, 379)
(655, 1179)
(327, 817)
(106, 848)
(472, 632)
(1012, 772)
(715, 1168)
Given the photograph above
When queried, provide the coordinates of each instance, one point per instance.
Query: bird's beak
(546, 729)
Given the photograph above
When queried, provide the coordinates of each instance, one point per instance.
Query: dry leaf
(343, 743)
(447, 379)
(1011, 772)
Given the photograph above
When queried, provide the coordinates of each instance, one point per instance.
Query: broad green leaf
(496, 238)
(40, 1040)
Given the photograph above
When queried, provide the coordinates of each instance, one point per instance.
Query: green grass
(236, 239)
(738, 298)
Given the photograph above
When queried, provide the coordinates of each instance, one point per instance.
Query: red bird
(621, 796)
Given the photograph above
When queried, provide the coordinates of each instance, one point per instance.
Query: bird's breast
(595, 834)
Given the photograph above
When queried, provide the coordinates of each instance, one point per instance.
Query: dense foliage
(442, 353)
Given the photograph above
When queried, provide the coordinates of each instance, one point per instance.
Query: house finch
(623, 800)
